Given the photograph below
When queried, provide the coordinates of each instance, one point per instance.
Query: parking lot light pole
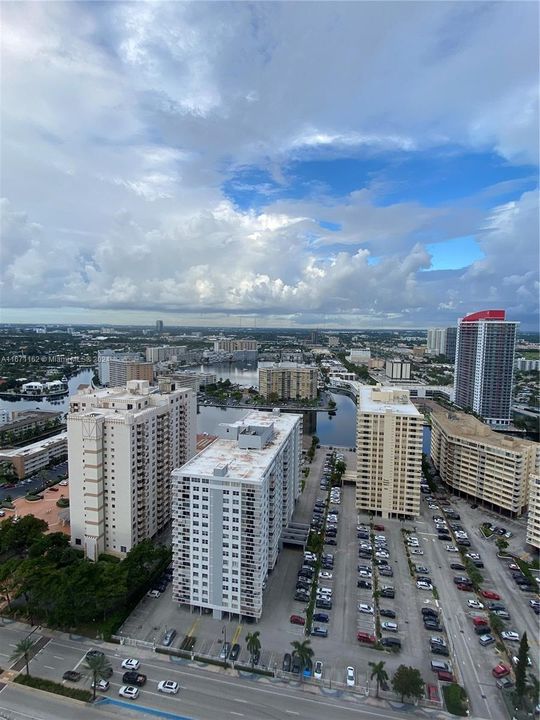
(224, 633)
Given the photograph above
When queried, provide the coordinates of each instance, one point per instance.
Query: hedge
(53, 687)
(176, 652)
(455, 698)
(248, 668)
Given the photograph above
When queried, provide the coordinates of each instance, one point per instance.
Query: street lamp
(224, 633)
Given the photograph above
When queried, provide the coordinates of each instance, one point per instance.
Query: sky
(296, 164)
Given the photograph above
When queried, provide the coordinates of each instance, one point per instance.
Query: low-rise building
(480, 464)
(398, 370)
(29, 459)
(28, 421)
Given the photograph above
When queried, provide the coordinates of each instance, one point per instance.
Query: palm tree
(99, 668)
(253, 645)
(303, 650)
(379, 673)
(22, 650)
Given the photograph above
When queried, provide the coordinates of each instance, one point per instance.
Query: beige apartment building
(122, 371)
(388, 452)
(288, 381)
(123, 444)
(35, 456)
(533, 519)
(480, 464)
(232, 345)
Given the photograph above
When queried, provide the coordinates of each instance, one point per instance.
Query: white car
(510, 635)
(128, 691)
(363, 608)
(168, 686)
(382, 554)
(153, 593)
(63, 483)
(131, 664)
(101, 685)
(325, 574)
(365, 573)
(390, 626)
(421, 585)
(515, 660)
(451, 548)
(317, 670)
(417, 551)
(351, 676)
(476, 604)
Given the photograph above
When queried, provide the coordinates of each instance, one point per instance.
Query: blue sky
(212, 161)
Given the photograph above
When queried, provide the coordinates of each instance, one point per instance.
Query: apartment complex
(288, 381)
(29, 421)
(533, 519)
(123, 445)
(480, 464)
(398, 369)
(232, 345)
(525, 365)
(105, 357)
(230, 505)
(191, 379)
(484, 365)
(164, 353)
(388, 452)
(29, 459)
(360, 356)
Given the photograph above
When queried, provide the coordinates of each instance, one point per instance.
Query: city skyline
(218, 165)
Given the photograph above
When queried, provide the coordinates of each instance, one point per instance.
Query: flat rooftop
(468, 427)
(243, 464)
(35, 446)
(386, 398)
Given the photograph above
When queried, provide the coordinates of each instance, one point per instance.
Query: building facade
(525, 365)
(123, 371)
(233, 345)
(388, 451)
(436, 341)
(476, 462)
(484, 365)
(398, 369)
(288, 381)
(230, 505)
(360, 356)
(533, 518)
(29, 459)
(123, 445)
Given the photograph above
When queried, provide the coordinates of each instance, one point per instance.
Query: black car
(364, 584)
(321, 617)
(457, 566)
(430, 612)
(72, 676)
(464, 542)
(301, 597)
(386, 571)
(391, 642)
(98, 653)
(386, 612)
(235, 652)
(296, 664)
(323, 604)
(430, 624)
(286, 665)
(438, 649)
(387, 592)
(132, 677)
(330, 541)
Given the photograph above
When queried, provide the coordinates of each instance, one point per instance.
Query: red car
(490, 595)
(378, 527)
(500, 670)
(445, 676)
(479, 621)
(297, 620)
(461, 586)
(366, 638)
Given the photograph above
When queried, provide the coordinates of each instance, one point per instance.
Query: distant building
(29, 459)
(104, 359)
(288, 381)
(398, 369)
(159, 326)
(360, 356)
(333, 341)
(451, 339)
(122, 371)
(388, 451)
(124, 444)
(482, 465)
(533, 517)
(192, 379)
(5, 416)
(30, 420)
(525, 365)
(484, 365)
(164, 353)
(436, 341)
(232, 345)
(230, 505)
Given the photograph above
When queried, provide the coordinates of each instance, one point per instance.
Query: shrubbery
(455, 698)
(53, 687)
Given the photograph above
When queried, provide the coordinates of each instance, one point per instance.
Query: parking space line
(236, 635)
(192, 628)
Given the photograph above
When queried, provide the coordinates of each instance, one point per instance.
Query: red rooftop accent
(485, 315)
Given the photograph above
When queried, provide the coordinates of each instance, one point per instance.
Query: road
(205, 694)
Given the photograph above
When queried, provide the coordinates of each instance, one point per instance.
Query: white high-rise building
(123, 444)
(388, 452)
(398, 369)
(165, 353)
(230, 505)
(436, 341)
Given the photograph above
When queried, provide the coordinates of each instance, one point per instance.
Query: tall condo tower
(484, 365)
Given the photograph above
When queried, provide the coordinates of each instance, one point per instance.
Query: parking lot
(395, 543)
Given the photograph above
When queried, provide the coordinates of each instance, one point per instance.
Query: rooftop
(468, 427)
(385, 398)
(241, 463)
(34, 447)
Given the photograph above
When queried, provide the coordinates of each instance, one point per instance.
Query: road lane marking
(239, 700)
(57, 657)
(292, 712)
(236, 713)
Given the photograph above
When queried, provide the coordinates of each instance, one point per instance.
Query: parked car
(500, 670)
(364, 608)
(386, 612)
(351, 676)
(318, 670)
(235, 652)
(72, 676)
(391, 642)
(101, 685)
(319, 631)
(321, 617)
(297, 620)
(168, 637)
(364, 584)
(286, 664)
(490, 594)
(387, 592)
(367, 638)
(389, 626)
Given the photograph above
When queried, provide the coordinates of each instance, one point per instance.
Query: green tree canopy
(521, 670)
(98, 668)
(22, 650)
(407, 682)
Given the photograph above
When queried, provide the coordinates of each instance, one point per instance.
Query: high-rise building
(388, 451)
(484, 365)
(123, 444)
(480, 464)
(230, 505)
(288, 381)
(164, 353)
(104, 359)
(436, 341)
(533, 517)
(122, 371)
(192, 379)
(451, 338)
(398, 369)
(159, 326)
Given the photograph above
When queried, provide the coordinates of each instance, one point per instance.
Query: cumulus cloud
(121, 122)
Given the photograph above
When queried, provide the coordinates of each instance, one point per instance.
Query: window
(77, 541)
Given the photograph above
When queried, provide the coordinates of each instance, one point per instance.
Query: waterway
(60, 404)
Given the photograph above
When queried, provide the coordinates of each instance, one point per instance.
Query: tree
(497, 624)
(379, 673)
(22, 650)
(408, 682)
(303, 650)
(253, 645)
(501, 543)
(521, 670)
(98, 668)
